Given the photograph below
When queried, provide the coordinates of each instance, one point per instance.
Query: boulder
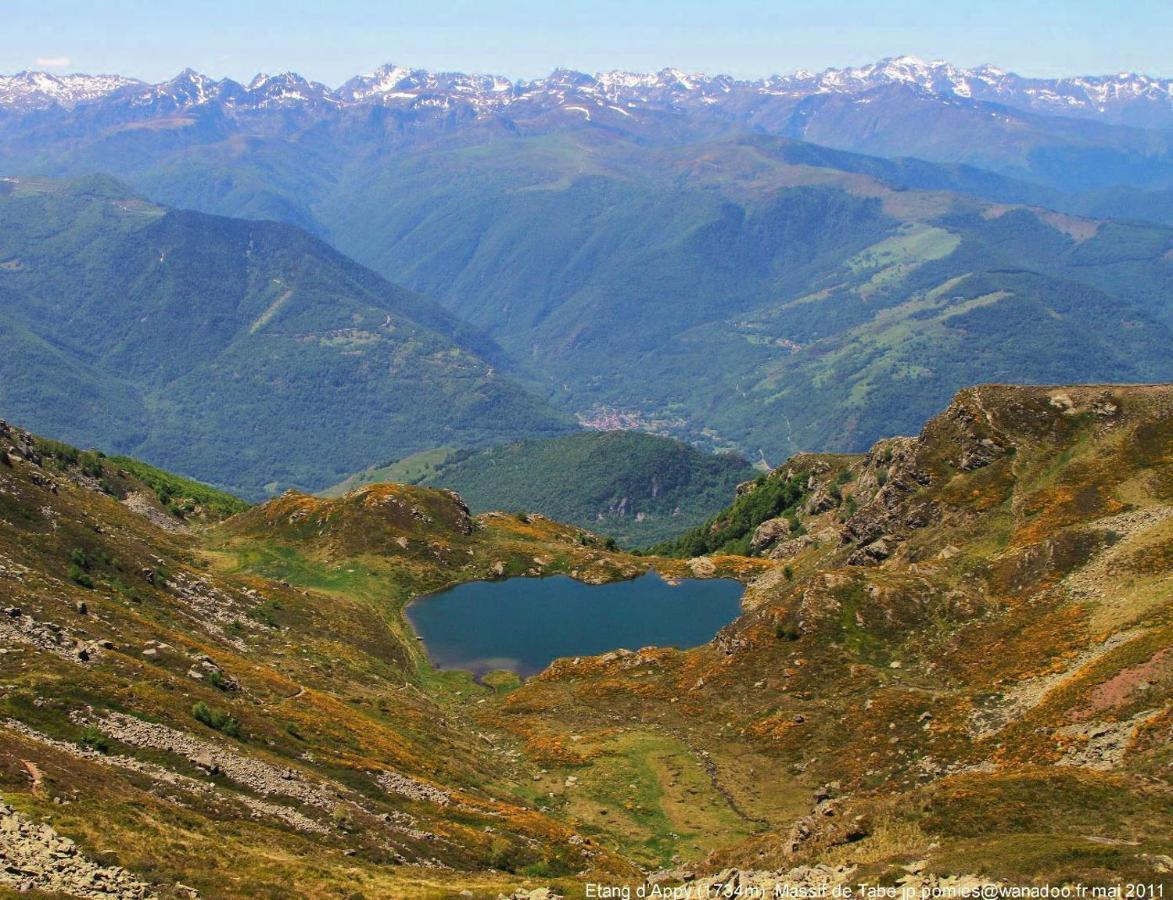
(769, 533)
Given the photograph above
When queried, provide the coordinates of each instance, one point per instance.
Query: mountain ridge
(1109, 96)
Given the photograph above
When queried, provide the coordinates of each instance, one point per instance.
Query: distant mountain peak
(286, 89)
(1126, 98)
(42, 90)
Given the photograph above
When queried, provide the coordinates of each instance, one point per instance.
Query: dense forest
(635, 487)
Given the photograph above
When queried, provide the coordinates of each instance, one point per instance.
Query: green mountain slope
(722, 285)
(766, 298)
(637, 487)
(249, 354)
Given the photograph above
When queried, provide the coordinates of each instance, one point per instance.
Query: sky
(332, 41)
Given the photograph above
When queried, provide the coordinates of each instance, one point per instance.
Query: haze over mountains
(1072, 134)
(801, 262)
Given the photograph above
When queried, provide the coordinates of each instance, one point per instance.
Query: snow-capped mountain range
(1128, 98)
(41, 90)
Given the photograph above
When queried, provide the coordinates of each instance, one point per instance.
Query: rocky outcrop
(16, 626)
(34, 857)
(214, 609)
(883, 521)
(463, 519)
(769, 533)
(1099, 745)
(792, 547)
(821, 880)
(139, 503)
(541, 893)
(803, 881)
(252, 773)
(421, 791)
(826, 823)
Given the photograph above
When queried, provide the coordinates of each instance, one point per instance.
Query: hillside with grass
(234, 351)
(237, 704)
(956, 666)
(637, 488)
(951, 667)
(738, 290)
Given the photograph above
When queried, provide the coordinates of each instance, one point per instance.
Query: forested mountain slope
(697, 251)
(246, 353)
(639, 488)
(761, 295)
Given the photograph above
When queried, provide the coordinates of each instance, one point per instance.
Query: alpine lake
(522, 624)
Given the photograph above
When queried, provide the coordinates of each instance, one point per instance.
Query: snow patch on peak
(383, 80)
(40, 90)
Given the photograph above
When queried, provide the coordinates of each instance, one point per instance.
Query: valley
(730, 263)
(455, 485)
(931, 632)
(147, 319)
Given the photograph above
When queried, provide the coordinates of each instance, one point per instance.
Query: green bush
(731, 530)
(216, 718)
(94, 739)
(178, 495)
(784, 632)
(77, 576)
(342, 818)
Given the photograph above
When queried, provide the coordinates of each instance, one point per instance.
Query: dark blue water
(523, 624)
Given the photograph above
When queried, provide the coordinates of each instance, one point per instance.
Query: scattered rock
(36, 858)
(803, 881)
(702, 566)
(1099, 745)
(19, 628)
(138, 502)
(541, 893)
(413, 789)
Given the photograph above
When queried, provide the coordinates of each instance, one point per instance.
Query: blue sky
(527, 38)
